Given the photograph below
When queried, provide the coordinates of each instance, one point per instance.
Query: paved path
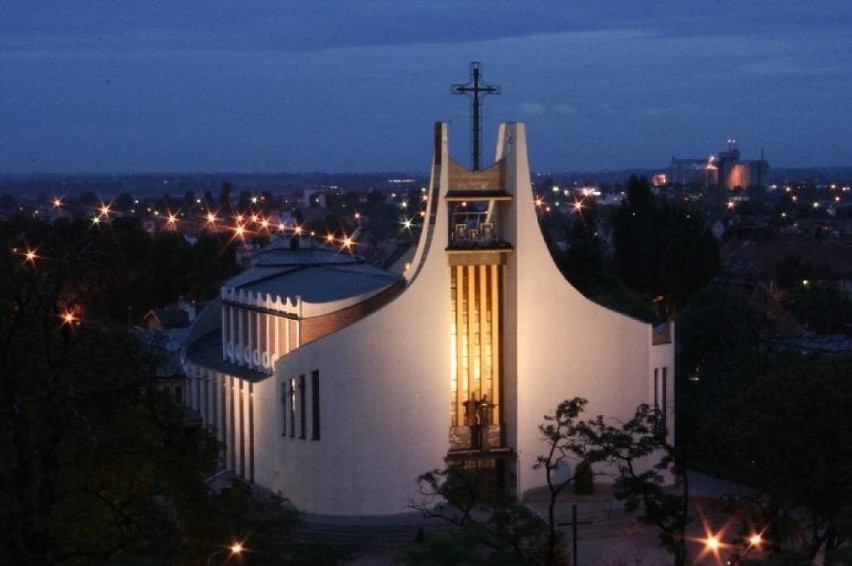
(606, 535)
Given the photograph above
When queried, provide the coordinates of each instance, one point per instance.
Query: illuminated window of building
(293, 407)
(474, 336)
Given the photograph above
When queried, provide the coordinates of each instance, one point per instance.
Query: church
(336, 384)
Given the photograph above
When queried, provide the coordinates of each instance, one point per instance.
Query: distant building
(685, 171)
(725, 169)
(337, 384)
(734, 172)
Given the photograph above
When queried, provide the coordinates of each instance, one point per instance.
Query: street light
(713, 544)
(235, 549)
(754, 541)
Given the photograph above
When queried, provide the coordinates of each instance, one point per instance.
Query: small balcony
(473, 229)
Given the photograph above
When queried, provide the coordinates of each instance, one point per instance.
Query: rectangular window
(251, 432)
(660, 402)
(233, 444)
(284, 408)
(302, 424)
(315, 405)
(241, 422)
(292, 407)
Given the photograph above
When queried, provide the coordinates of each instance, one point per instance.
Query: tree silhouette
(662, 249)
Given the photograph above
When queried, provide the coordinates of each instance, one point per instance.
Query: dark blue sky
(346, 85)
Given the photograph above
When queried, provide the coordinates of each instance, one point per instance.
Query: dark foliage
(490, 526)
(662, 249)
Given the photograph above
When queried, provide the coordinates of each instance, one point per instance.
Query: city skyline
(123, 87)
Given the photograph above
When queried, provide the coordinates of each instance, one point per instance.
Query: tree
(821, 306)
(720, 353)
(225, 197)
(490, 526)
(567, 440)
(662, 249)
(89, 447)
(789, 441)
(631, 448)
(584, 262)
(95, 464)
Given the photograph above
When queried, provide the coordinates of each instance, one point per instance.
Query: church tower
(477, 206)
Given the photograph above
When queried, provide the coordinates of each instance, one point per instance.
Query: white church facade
(337, 384)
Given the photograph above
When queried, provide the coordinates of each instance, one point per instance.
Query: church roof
(278, 256)
(207, 352)
(320, 283)
(316, 274)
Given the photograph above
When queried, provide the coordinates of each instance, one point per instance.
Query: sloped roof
(207, 352)
(169, 317)
(278, 256)
(757, 259)
(316, 274)
(322, 283)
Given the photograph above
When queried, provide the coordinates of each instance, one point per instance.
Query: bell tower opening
(477, 204)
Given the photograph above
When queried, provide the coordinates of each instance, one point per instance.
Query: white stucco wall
(384, 399)
(563, 344)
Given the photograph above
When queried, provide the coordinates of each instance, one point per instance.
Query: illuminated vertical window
(293, 407)
(474, 338)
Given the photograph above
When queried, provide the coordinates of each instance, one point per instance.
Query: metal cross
(476, 89)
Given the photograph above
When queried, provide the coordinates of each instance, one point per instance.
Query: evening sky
(120, 86)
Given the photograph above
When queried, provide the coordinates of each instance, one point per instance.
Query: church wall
(316, 327)
(564, 344)
(384, 396)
